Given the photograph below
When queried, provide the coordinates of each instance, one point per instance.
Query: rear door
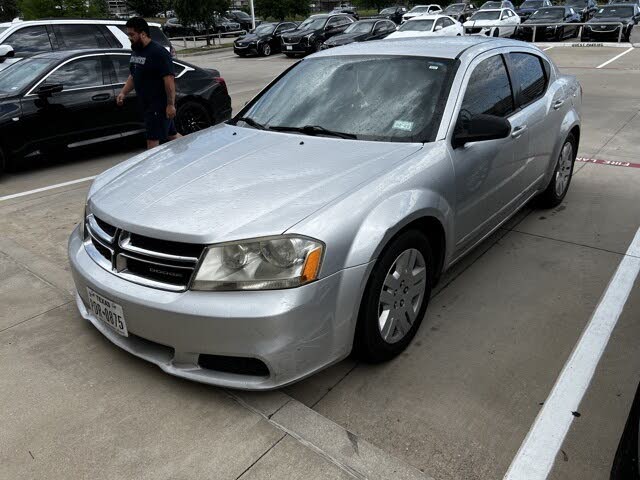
(125, 119)
(541, 106)
(80, 113)
(29, 41)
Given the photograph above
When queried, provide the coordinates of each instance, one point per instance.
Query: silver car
(316, 222)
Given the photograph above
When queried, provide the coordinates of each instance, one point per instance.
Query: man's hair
(139, 25)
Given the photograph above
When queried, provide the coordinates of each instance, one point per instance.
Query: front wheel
(396, 298)
(265, 50)
(192, 117)
(496, 32)
(559, 183)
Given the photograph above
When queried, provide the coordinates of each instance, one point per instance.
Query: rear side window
(71, 37)
(529, 74)
(121, 67)
(29, 40)
(81, 73)
(489, 89)
(158, 35)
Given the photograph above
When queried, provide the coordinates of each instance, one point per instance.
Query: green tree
(201, 11)
(8, 10)
(148, 8)
(281, 9)
(33, 9)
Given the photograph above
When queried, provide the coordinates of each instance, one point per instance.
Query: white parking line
(614, 58)
(538, 452)
(548, 48)
(44, 189)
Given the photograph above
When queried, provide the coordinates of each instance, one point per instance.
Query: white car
(421, 10)
(428, 26)
(499, 22)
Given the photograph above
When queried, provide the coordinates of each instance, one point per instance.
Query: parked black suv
(313, 32)
(586, 8)
(627, 14)
(264, 40)
(243, 18)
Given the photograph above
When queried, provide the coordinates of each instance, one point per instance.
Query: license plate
(108, 311)
(289, 47)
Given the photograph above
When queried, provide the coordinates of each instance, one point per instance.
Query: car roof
(48, 21)
(431, 16)
(495, 9)
(438, 47)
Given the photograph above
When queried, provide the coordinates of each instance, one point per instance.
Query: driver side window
(489, 90)
(333, 22)
(439, 24)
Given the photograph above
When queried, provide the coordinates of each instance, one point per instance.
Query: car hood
(227, 183)
(298, 34)
(345, 38)
(250, 37)
(410, 34)
(480, 23)
(610, 19)
(533, 21)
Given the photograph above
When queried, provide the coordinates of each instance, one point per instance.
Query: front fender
(392, 215)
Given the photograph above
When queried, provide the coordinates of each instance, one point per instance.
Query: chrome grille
(291, 40)
(147, 261)
(473, 30)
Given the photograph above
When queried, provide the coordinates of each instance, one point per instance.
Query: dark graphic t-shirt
(149, 66)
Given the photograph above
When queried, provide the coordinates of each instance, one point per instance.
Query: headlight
(309, 37)
(260, 264)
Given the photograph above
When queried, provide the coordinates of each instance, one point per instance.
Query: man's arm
(128, 86)
(170, 89)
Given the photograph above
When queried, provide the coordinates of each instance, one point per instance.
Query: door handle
(517, 131)
(557, 104)
(101, 97)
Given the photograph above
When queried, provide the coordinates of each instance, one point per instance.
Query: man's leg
(156, 130)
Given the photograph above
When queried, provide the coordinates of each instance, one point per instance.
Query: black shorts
(158, 126)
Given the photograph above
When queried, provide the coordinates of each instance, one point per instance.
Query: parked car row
(174, 28)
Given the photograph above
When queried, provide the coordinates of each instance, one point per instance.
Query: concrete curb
(356, 456)
(584, 44)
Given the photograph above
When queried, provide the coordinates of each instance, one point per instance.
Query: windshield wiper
(251, 122)
(315, 130)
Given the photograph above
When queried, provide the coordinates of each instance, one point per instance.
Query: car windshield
(486, 16)
(312, 24)
(265, 29)
(615, 12)
(549, 13)
(417, 26)
(531, 4)
(360, 27)
(419, 10)
(394, 99)
(15, 78)
(491, 5)
(386, 11)
(456, 7)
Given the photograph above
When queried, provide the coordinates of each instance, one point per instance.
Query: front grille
(291, 41)
(604, 28)
(148, 261)
(473, 30)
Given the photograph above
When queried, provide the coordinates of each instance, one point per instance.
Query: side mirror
(6, 51)
(479, 128)
(46, 91)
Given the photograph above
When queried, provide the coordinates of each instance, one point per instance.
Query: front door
(489, 174)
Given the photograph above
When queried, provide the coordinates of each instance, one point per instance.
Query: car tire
(192, 117)
(559, 35)
(558, 186)
(496, 32)
(377, 337)
(265, 50)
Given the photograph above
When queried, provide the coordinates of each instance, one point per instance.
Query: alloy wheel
(192, 119)
(402, 295)
(563, 172)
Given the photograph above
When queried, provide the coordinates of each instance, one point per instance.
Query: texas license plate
(108, 311)
(289, 47)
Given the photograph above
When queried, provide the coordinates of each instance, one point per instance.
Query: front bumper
(542, 33)
(611, 33)
(298, 48)
(245, 50)
(294, 332)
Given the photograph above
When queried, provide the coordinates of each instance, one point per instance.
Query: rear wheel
(192, 117)
(559, 183)
(496, 32)
(396, 298)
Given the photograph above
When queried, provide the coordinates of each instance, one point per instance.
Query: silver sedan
(316, 222)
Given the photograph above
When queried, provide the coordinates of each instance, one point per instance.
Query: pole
(253, 15)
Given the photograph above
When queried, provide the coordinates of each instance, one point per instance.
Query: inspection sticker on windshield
(403, 125)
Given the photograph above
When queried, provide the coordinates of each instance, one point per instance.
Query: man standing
(153, 77)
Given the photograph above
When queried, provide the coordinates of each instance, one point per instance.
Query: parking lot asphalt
(457, 404)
